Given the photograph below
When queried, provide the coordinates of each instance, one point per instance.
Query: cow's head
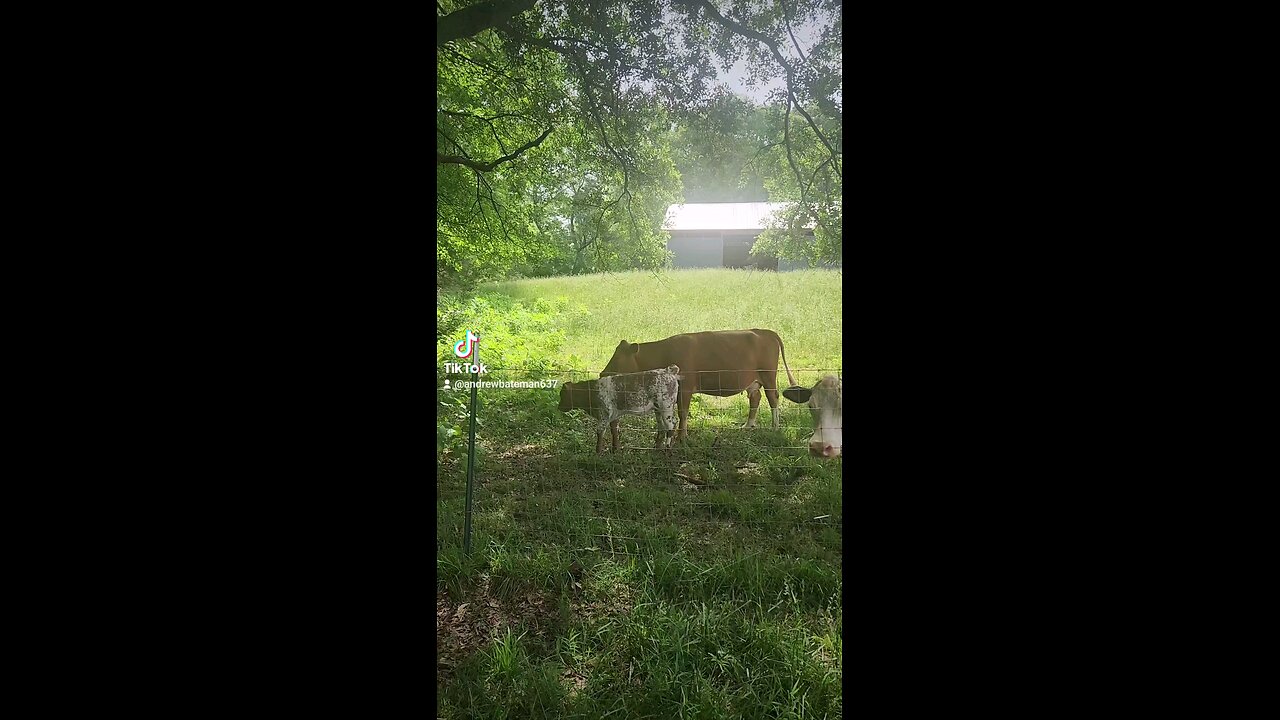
(623, 360)
(567, 392)
(826, 405)
(577, 396)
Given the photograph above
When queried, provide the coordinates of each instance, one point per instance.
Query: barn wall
(706, 249)
(696, 250)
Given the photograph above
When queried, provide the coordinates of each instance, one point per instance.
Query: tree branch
(486, 66)
(786, 139)
(589, 109)
(756, 157)
(442, 159)
(474, 19)
(814, 176)
(804, 191)
(489, 121)
(787, 21)
(497, 211)
(747, 32)
(454, 142)
(499, 116)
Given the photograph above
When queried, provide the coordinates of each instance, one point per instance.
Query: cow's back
(722, 363)
(711, 351)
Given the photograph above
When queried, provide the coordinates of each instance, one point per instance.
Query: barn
(707, 235)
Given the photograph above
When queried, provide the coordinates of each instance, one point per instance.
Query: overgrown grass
(704, 581)
(803, 307)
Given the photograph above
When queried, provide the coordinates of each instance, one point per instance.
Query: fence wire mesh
(539, 480)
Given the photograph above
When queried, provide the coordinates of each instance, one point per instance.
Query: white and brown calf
(609, 398)
(826, 405)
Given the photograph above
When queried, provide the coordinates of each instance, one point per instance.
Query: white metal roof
(720, 216)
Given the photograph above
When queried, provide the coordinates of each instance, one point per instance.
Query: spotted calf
(609, 398)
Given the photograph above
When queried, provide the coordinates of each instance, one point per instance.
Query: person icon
(446, 384)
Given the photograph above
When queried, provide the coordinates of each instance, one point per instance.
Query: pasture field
(699, 582)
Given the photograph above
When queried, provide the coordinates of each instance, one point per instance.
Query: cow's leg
(772, 396)
(686, 397)
(613, 434)
(753, 397)
(600, 439)
(770, 382)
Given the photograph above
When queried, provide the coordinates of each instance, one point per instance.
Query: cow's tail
(784, 363)
(783, 352)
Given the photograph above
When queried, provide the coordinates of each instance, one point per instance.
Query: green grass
(701, 582)
(803, 307)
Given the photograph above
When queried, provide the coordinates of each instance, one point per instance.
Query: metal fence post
(471, 452)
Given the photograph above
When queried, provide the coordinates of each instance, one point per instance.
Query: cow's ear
(627, 347)
(797, 394)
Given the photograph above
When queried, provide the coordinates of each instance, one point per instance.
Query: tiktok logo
(469, 341)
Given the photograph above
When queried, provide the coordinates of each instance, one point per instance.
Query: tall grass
(803, 307)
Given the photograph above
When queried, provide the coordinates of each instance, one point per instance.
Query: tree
(717, 149)
(553, 120)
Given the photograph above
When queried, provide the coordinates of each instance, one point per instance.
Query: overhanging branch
(442, 159)
(476, 18)
(787, 20)
(747, 32)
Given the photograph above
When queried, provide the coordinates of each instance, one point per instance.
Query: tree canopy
(564, 127)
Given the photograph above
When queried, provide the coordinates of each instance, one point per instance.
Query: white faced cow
(826, 404)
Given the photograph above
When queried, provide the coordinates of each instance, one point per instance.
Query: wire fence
(715, 393)
(540, 481)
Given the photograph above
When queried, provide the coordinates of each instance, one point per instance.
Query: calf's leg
(666, 418)
(599, 439)
(613, 434)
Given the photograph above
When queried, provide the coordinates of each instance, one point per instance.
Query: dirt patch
(464, 626)
(574, 681)
(521, 454)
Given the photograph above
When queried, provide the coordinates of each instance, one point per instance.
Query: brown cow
(720, 363)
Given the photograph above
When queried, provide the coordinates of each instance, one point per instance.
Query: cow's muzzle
(822, 449)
